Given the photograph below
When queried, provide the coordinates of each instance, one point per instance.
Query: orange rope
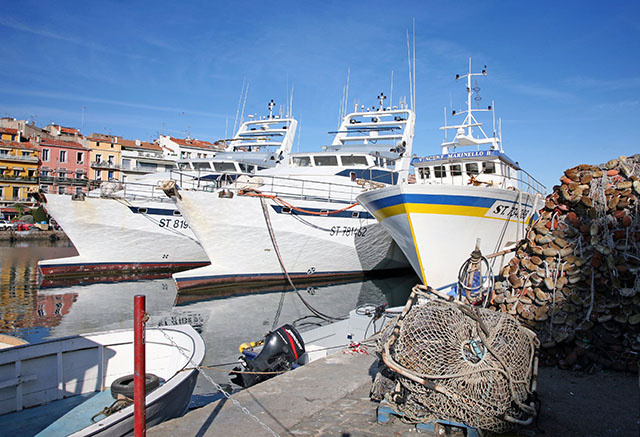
(256, 193)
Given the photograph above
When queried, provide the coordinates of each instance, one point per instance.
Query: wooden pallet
(386, 414)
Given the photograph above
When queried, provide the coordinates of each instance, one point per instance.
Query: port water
(37, 311)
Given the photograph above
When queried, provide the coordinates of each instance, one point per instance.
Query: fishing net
(456, 362)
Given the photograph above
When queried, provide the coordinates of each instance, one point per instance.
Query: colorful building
(18, 171)
(64, 167)
(177, 148)
(105, 156)
(140, 158)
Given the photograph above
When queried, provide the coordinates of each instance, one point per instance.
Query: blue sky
(565, 76)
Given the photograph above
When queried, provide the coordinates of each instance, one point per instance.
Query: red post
(139, 371)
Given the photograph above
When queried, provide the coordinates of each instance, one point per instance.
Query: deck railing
(522, 181)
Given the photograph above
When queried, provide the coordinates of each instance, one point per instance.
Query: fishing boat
(471, 190)
(300, 222)
(60, 387)
(133, 229)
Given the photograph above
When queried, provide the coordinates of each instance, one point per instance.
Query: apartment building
(105, 157)
(64, 166)
(139, 158)
(18, 171)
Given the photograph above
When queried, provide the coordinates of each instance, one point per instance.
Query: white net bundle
(461, 363)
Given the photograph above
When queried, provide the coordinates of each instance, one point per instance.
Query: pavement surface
(330, 397)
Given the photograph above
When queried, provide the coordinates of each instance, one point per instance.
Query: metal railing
(104, 164)
(279, 186)
(19, 179)
(9, 157)
(523, 181)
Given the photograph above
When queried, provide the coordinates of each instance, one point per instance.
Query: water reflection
(225, 322)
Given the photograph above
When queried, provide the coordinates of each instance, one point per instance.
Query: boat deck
(61, 417)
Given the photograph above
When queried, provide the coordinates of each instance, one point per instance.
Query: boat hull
(437, 226)
(64, 369)
(130, 237)
(309, 244)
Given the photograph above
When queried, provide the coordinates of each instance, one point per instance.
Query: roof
(7, 130)
(188, 142)
(142, 145)
(102, 140)
(67, 130)
(17, 145)
(61, 143)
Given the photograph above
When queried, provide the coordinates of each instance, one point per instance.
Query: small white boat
(60, 386)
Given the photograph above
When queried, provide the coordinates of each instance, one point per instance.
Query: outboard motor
(282, 348)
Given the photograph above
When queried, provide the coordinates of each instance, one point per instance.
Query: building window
(472, 168)
(96, 175)
(45, 155)
(80, 157)
(1, 192)
(98, 157)
(110, 175)
(16, 173)
(62, 174)
(456, 170)
(439, 171)
(61, 189)
(16, 193)
(44, 173)
(63, 156)
(26, 153)
(4, 152)
(126, 164)
(110, 160)
(44, 188)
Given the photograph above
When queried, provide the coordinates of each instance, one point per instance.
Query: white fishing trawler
(132, 228)
(301, 222)
(471, 190)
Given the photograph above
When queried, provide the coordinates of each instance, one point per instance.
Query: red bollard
(139, 372)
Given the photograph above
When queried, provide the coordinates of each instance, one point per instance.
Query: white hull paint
(35, 375)
(122, 235)
(437, 226)
(235, 235)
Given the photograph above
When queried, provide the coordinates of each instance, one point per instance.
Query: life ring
(124, 385)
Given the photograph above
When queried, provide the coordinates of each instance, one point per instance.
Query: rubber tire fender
(124, 385)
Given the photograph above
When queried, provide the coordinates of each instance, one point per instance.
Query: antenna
(414, 64)
(410, 70)
(291, 102)
(445, 123)
(476, 89)
(270, 106)
(391, 93)
(246, 93)
(235, 123)
(381, 99)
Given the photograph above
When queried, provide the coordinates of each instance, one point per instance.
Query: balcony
(15, 158)
(46, 179)
(105, 164)
(19, 179)
(140, 169)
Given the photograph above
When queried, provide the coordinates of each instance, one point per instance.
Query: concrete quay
(330, 397)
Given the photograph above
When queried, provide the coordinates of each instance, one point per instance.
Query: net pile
(460, 363)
